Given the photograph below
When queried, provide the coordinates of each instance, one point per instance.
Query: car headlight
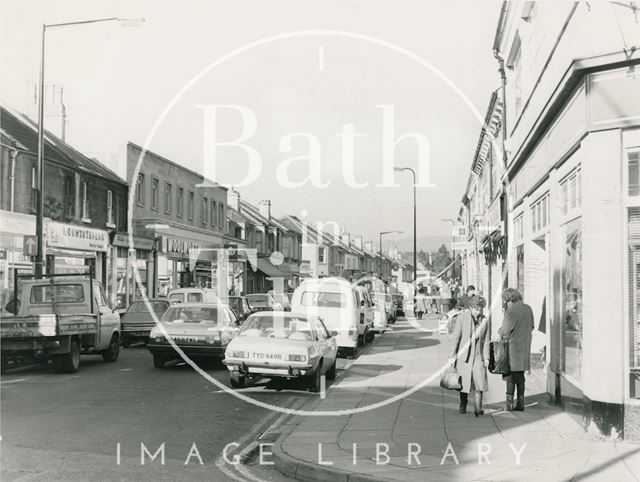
(297, 358)
(239, 354)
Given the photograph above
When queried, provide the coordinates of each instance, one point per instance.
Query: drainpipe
(12, 180)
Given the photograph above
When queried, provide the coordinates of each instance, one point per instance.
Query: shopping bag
(451, 379)
(500, 351)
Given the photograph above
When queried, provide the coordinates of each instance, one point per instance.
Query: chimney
(368, 245)
(265, 209)
(346, 238)
(358, 242)
(233, 199)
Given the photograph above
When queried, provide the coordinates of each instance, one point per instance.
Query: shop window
(191, 205)
(518, 228)
(85, 203)
(155, 195)
(110, 219)
(572, 299)
(168, 201)
(540, 214)
(140, 190)
(321, 255)
(634, 303)
(180, 202)
(571, 192)
(633, 167)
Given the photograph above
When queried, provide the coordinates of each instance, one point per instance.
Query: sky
(302, 70)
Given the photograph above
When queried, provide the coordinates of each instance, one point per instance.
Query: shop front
(13, 228)
(76, 249)
(122, 286)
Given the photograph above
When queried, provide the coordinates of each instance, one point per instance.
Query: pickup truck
(59, 317)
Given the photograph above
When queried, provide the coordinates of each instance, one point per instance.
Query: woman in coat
(516, 329)
(471, 352)
(421, 303)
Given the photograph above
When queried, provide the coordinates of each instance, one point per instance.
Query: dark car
(261, 301)
(137, 321)
(240, 306)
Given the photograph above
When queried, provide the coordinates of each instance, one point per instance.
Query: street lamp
(40, 164)
(415, 239)
(380, 263)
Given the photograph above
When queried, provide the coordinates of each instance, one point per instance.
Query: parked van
(336, 301)
(194, 295)
(365, 302)
(377, 291)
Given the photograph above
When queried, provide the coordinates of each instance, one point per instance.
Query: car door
(328, 344)
(108, 321)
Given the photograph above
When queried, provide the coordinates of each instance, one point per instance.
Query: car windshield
(158, 307)
(325, 299)
(283, 327)
(236, 304)
(260, 301)
(194, 314)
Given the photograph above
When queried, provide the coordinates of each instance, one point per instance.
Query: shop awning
(270, 270)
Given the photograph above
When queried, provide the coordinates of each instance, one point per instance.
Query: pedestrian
(421, 303)
(463, 301)
(471, 354)
(516, 329)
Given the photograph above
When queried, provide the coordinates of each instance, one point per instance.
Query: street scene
(319, 241)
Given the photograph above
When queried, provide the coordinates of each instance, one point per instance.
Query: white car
(282, 345)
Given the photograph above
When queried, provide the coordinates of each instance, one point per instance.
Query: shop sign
(122, 240)
(305, 267)
(178, 246)
(69, 236)
(17, 223)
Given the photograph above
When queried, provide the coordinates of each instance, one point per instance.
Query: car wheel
(313, 383)
(370, 336)
(236, 380)
(111, 354)
(70, 362)
(158, 361)
(331, 372)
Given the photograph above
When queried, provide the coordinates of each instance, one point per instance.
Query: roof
(254, 214)
(23, 133)
(234, 216)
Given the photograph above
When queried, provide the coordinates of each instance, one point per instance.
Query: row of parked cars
(262, 336)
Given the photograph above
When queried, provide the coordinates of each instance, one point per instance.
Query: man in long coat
(516, 329)
(471, 347)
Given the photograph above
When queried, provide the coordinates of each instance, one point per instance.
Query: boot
(477, 403)
(463, 402)
(519, 404)
(508, 406)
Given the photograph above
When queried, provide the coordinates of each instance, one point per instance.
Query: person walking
(516, 329)
(421, 303)
(471, 353)
(463, 301)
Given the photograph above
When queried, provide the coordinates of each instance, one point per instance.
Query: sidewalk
(427, 423)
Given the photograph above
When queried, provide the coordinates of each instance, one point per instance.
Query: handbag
(451, 379)
(500, 352)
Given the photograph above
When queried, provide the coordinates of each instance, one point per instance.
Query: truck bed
(29, 326)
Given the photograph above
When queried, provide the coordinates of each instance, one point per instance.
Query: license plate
(140, 333)
(267, 356)
(187, 339)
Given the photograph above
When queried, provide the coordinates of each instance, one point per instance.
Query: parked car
(240, 306)
(201, 330)
(365, 302)
(194, 295)
(390, 308)
(261, 301)
(60, 317)
(138, 321)
(380, 319)
(336, 301)
(283, 345)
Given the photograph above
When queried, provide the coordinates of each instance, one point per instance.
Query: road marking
(125, 369)
(15, 381)
(321, 58)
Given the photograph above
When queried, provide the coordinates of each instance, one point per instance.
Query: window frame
(191, 205)
(140, 186)
(180, 202)
(110, 216)
(85, 203)
(168, 197)
(155, 193)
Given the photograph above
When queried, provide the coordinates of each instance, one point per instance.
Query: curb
(309, 472)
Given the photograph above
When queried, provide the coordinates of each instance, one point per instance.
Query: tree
(440, 259)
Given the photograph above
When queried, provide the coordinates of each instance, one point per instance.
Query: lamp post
(380, 263)
(453, 251)
(39, 264)
(415, 238)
